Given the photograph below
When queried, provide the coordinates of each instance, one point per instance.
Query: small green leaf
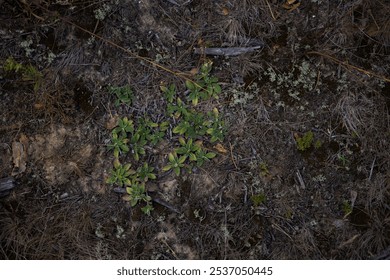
(166, 168)
(190, 85)
(182, 159)
(127, 182)
(192, 157)
(176, 129)
(177, 170)
(182, 141)
(210, 155)
(116, 152)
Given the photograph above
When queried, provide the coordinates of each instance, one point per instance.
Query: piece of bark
(6, 185)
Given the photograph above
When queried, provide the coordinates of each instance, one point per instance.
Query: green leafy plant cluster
(29, 73)
(205, 86)
(187, 125)
(124, 95)
(134, 182)
(306, 141)
(258, 199)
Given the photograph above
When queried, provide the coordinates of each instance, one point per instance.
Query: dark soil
(324, 68)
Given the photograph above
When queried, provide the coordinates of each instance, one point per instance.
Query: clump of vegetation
(28, 72)
(258, 199)
(306, 141)
(194, 126)
(124, 95)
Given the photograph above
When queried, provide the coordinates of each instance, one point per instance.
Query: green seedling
(188, 149)
(169, 92)
(203, 156)
(124, 95)
(124, 126)
(11, 65)
(118, 144)
(305, 142)
(29, 72)
(138, 142)
(145, 172)
(347, 208)
(182, 127)
(198, 125)
(120, 175)
(180, 109)
(205, 86)
(175, 163)
(217, 127)
(210, 82)
(196, 92)
(137, 194)
(257, 199)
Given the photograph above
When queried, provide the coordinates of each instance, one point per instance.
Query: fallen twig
(226, 51)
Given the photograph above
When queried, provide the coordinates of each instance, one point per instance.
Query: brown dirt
(324, 68)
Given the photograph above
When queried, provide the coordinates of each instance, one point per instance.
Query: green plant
(169, 92)
(120, 175)
(180, 109)
(124, 126)
(137, 194)
(138, 142)
(145, 172)
(175, 163)
(202, 156)
(347, 208)
(344, 161)
(124, 95)
(29, 72)
(217, 127)
(193, 125)
(305, 142)
(11, 65)
(205, 86)
(258, 199)
(118, 144)
(264, 171)
(187, 149)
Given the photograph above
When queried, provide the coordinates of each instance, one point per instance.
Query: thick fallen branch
(226, 51)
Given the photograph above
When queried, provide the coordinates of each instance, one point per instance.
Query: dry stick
(347, 65)
(231, 154)
(270, 10)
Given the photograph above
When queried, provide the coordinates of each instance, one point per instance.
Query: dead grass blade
(349, 66)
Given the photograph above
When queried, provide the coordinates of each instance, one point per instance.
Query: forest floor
(300, 170)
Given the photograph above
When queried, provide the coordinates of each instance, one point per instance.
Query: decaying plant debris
(323, 72)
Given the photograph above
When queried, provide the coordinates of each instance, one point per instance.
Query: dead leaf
(224, 11)
(126, 197)
(39, 106)
(19, 157)
(220, 148)
(291, 5)
(194, 71)
(112, 122)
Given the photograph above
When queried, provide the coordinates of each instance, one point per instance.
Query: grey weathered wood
(6, 185)
(226, 51)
